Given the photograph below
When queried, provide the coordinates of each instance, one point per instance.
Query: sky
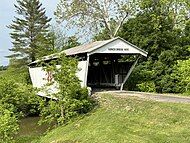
(7, 13)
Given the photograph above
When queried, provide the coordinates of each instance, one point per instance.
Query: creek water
(29, 127)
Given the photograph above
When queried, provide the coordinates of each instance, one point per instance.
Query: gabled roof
(89, 48)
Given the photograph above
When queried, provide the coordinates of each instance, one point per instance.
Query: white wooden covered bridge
(99, 65)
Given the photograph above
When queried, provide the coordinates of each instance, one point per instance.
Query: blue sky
(7, 13)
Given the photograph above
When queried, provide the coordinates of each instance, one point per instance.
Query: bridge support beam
(129, 73)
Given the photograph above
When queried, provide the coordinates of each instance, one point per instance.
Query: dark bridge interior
(107, 70)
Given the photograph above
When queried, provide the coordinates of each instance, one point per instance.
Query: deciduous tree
(164, 36)
(71, 99)
(61, 41)
(94, 15)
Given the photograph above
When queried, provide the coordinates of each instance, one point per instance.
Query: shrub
(148, 86)
(21, 96)
(60, 112)
(142, 74)
(8, 125)
(181, 73)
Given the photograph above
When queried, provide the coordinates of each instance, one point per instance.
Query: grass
(2, 73)
(125, 120)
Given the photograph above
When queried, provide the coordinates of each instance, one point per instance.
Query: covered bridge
(101, 63)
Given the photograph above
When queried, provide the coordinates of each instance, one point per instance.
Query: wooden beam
(129, 73)
(86, 72)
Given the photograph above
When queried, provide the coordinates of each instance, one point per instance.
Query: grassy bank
(122, 120)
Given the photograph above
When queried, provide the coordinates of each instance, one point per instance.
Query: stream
(29, 129)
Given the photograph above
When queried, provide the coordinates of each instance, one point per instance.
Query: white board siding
(81, 73)
(118, 47)
(39, 76)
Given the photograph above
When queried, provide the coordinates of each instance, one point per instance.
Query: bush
(142, 74)
(147, 86)
(20, 96)
(181, 73)
(60, 112)
(8, 125)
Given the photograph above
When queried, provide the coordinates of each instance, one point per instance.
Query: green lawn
(125, 120)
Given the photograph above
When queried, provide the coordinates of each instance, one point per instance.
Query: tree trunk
(62, 112)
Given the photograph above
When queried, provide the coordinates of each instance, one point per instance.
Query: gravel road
(149, 96)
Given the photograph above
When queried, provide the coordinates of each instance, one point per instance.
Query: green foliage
(8, 125)
(3, 68)
(181, 73)
(163, 32)
(147, 86)
(21, 75)
(140, 75)
(158, 31)
(70, 100)
(18, 95)
(70, 42)
(30, 32)
(17, 99)
(103, 35)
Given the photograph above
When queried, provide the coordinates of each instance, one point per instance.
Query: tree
(3, 68)
(94, 15)
(71, 99)
(60, 41)
(181, 71)
(30, 31)
(155, 30)
(177, 10)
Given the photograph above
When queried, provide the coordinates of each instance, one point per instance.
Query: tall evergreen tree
(30, 31)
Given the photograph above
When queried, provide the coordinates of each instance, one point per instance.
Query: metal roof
(87, 48)
(84, 48)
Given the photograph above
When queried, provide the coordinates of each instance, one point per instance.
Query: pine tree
(30, 31)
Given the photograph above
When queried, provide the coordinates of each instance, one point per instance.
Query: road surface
(149, 96)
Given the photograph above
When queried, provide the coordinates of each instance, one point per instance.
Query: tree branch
(120, 24)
